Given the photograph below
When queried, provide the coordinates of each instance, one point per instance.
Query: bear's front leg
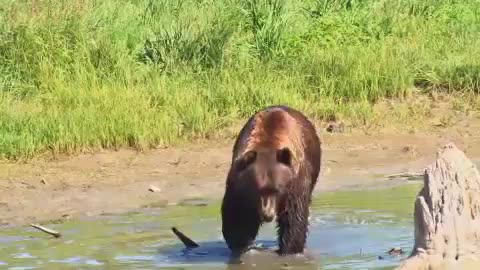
(240, 225)
(292, 224)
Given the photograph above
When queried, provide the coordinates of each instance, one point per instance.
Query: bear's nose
(267, 185)
(262, 181)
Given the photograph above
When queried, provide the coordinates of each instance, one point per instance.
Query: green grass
(84, 74)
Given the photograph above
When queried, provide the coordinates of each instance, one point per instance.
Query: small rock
(153, 188)
(175, 162)
(335, 127)
(395, 251)
(410, 150)
(43, 181)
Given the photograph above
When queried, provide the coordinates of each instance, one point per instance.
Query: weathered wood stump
(447, 215)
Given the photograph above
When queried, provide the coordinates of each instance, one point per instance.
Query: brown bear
(275, 165)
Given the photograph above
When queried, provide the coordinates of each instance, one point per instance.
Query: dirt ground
(116, 181)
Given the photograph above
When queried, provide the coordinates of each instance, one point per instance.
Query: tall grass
(83, 74)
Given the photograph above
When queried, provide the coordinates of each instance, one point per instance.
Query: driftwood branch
(189, 243)
(46, 230)
(405, 175)
(447, 215)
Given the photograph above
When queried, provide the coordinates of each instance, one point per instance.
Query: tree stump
(447, 215)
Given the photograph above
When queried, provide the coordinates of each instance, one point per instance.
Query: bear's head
(265, 173)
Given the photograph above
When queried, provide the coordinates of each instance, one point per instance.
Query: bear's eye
(246, 160)
(284, 156)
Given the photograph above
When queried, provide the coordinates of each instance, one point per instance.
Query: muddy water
(349, 230)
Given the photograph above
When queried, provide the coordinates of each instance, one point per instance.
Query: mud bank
(117, 181)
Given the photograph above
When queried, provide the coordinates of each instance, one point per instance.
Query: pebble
(153, 188)
(335, 127)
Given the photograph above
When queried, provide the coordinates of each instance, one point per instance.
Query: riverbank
(47, 188)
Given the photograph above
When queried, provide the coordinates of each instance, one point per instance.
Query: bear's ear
(284, 156)
(246, 160)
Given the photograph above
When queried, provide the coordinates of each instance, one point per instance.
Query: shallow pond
(349, 230)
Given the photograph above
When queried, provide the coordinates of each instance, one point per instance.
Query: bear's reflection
(268, 259)
(262, 256)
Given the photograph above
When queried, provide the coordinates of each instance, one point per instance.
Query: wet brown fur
(272, 129)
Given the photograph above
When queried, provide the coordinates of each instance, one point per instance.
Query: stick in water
(189, 243)
(46, 230)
